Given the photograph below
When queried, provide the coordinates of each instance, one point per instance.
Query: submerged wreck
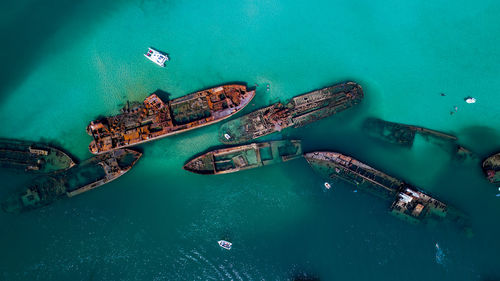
(408, 202)
(33, 157)
(155, 118)
(233, 159)
(88, 175)
(402, 134)
(296, 112)
(491, 167)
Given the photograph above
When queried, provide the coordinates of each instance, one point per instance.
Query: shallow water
(65, 65)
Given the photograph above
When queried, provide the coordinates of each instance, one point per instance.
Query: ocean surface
(65, 63)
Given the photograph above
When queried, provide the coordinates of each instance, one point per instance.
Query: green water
(66, 63)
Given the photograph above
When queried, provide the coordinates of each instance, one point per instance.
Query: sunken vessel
(408, 202)
(491, 167)
(296, 112)
(155, 118)
(88, 175)
(402, 134)
(233, 159)
(33, 157)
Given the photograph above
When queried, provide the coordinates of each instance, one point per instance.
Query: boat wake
(219, 269)
(440, 256)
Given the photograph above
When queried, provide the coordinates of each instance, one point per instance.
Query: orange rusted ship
(491, 167)
(296, 112)
(155, 118)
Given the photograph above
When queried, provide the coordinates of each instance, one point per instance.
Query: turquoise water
(65, 64)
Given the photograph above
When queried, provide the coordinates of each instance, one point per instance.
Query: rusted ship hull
(104, 167)
(154, 118)
(88, 175)
(298, 111)
(491, 167)
(233, 159)
(408, 202)
(33, 157)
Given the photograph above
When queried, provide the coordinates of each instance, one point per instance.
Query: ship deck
(408, 202)
(244, 157)
(33, 157)
(296, 112)
(155, 118)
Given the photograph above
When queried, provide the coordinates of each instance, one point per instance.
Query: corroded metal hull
(33, 157)
(104, 167)
(155, 118)
(233, 159)
(297, 112)
(491, 167)
(408, 202)
(88, 175)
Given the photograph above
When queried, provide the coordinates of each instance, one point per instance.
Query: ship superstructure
(296, 112)
(88, 175)
(233, 159)
(155, 118)
(408, 202)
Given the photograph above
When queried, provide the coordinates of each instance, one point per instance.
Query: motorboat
(470, 100)
(225, 244)
(157, 56)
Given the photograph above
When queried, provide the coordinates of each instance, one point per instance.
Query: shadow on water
(26, 35)
(164, 96)
(483, 140)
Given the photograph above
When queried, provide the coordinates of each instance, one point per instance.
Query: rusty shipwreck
(233, 159)
(491, 167)
(296, 112)
(408, 202)
(33, 157)
(155, 118)
(404, 135)
(88, 175)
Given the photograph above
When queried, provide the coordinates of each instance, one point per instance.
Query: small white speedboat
(225, 244)
(327, 185)
(470, 100)
(227, 136)
(157, 57)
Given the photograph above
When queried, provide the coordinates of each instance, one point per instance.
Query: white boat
(327, 185)
(225, 244)
(157, 57)
(470, 100)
